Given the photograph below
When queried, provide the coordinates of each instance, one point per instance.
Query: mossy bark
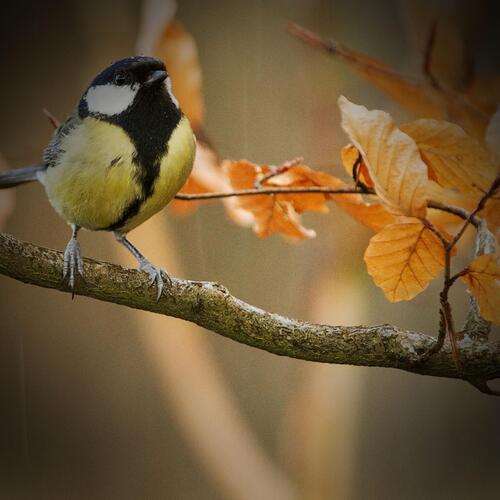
(211, 306)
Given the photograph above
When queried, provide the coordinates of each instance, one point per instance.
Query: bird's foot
(157, 276)
(73, 263)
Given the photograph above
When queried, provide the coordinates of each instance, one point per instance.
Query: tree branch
(211, 306)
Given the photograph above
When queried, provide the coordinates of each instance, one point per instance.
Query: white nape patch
(168, 84)
(110, 99)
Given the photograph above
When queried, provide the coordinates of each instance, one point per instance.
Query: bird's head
(115, 89)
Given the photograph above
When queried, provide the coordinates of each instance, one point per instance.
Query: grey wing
(53, 150)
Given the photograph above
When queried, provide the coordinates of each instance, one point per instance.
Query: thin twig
(278, 170)
(481, 204)
(429, 225)
(337, 49)
(370, 68)
(427, 59)
(446, 317)
(52, 119)
(458, 211)
(446, 324)
(263, 191)
(310, 38)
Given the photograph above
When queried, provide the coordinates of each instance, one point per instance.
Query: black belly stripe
(130, 211)
(149, 123)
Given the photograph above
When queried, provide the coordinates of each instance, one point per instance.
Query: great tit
(117, 160)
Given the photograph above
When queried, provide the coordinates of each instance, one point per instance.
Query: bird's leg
(73, 262)
(156, 274)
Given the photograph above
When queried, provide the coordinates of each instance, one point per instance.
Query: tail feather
(18, 176)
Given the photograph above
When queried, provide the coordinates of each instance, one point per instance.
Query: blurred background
(99, 401)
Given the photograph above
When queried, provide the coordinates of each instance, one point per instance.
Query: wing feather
(53, 150)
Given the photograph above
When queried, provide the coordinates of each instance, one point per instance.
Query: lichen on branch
(211, 306)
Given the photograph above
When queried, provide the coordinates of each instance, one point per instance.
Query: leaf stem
(446, 318)
(277, 170)
(446, 324)
(481, 204)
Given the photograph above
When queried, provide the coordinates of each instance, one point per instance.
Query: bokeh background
(98, 401)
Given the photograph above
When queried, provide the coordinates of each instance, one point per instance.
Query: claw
(156, 276)
(73, 263)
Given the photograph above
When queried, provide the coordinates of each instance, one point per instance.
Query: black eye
(120, 79)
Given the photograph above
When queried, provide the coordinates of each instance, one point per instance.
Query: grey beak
(156, 77)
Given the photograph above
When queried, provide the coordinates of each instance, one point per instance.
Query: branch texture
(211, 306)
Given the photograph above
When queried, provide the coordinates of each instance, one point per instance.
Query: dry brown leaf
(483, 280)
(491, 213)
(392, 158)
(301, 176)
(403, 258)
(456, 159)
(350, 156)
(270, 213)
(372, 215)
(207, 177)
(176, 47)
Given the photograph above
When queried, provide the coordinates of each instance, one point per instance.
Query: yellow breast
(95, 179)
(175, 168)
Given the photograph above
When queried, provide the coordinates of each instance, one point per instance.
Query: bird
(118, 159)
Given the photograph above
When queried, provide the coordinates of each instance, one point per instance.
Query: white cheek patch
(168, 84)
(110, 99)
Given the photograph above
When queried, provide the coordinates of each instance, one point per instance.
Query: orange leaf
(176, 47)
(207, 176)
(300, 176)
(491, 213)
(392, 158)
(350, 156)
(372, 215)
(457, 160)
(483, 280)
(403, 258)
(269, 215)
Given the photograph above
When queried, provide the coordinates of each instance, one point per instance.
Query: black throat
(149, 122)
